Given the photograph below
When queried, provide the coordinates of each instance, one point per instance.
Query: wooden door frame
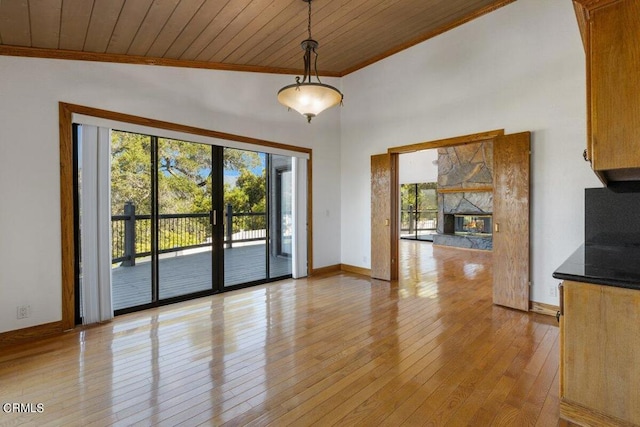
(67, 226)
(404, 149)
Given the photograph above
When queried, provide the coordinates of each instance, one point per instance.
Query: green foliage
(421, 196)
(240, 159)
(417, 201)
(184, 176)
(184, 187)
(130, 172)
(248, 194)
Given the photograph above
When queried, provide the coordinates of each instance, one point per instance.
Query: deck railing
(131, 233)
(412, 221)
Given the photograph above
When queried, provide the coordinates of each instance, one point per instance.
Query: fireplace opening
(473, 231)
(473, 225)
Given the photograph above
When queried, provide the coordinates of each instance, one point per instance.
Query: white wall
(419, 166)
(240, 103)
(520, 68)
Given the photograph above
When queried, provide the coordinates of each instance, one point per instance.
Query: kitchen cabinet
(599, 354)
(610, 32)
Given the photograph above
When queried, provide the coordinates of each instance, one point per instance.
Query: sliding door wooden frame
(403, 149)
(447, 142)
(66, 112)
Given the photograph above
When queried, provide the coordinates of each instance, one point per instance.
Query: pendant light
(306, 97)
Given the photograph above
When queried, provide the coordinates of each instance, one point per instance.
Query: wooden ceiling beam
(143, 60)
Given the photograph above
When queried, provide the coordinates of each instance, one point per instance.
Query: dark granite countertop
(603, 265)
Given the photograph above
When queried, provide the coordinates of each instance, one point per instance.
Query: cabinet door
(600, 350)
(614, 87)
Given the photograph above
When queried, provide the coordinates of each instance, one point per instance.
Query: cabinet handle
(496, 227)
(584, 155)
(561, 292)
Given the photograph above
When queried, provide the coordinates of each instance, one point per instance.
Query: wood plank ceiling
(252, 35)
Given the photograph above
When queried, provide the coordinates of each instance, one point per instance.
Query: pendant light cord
(309, 26)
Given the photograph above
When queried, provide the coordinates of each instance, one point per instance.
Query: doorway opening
(509, 190)
(430, 210)
(455, 208)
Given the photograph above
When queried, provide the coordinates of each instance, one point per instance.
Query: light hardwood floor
(330, 350)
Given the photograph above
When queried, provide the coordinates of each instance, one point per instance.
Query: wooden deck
(185, 274)
(339, 349)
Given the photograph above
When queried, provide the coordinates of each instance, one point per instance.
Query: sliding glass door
(184, 218)
(281, 218)
(245, 216)
(163, 205)
(419, 211)
(191, 219)
(131, 221)
(257, 217)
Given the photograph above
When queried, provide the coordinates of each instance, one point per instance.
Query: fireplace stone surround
(465, 181)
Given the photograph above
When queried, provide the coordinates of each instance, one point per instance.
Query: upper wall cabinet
(610, 31)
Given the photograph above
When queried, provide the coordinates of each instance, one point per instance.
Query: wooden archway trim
(447, 142)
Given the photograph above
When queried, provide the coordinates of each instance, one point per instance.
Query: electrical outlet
(23, 311)
(553, 291)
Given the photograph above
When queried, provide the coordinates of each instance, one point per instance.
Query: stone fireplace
(465, 196)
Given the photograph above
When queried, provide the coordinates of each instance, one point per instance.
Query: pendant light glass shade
(307, 98)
